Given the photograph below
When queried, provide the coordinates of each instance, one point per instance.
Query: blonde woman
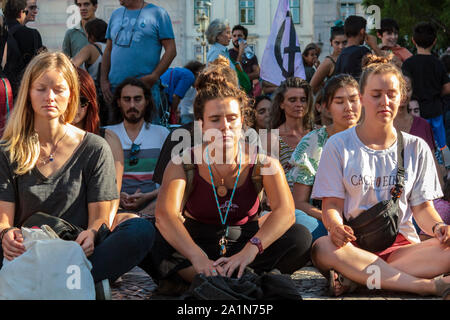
(62, 171)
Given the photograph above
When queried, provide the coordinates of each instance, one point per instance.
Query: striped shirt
(150, 140)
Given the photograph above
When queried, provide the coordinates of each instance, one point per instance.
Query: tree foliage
(408, 13)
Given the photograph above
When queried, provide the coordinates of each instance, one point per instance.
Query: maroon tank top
(201, 204)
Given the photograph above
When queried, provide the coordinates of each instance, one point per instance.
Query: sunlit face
(225, 37)
(338, 43)
(237, 34)
(50, 95)
(32, 9)
(381, 98)
(222, 120)
(132, 103)
(295, 103)
(389, 38)
(87, 9)
(345, 107)
(262, 113)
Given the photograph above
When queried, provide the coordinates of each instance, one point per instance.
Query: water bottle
(247, 51)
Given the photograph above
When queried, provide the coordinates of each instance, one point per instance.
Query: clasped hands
(226, 266)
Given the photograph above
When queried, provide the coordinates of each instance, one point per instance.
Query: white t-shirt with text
(361, 176)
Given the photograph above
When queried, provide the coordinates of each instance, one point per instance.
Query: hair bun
(371, 60)
(216, 73)
(338, 24)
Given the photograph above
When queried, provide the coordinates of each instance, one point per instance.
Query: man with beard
(141, 142)
(237, 53)
(76, 38)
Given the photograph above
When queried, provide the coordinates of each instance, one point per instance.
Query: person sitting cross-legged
(141, 142)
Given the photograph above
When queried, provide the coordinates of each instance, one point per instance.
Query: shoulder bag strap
(398, 189)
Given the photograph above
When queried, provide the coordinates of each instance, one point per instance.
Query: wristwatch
(255, 241)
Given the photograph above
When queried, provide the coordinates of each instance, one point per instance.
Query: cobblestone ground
(137, 285)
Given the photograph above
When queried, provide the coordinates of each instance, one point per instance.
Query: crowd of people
(355, 172)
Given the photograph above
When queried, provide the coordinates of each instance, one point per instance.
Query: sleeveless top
(202, 206)
(334, 66)
(93, 68)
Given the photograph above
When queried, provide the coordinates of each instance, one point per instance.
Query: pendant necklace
(223, 240)
(51, 157)
(221, 189)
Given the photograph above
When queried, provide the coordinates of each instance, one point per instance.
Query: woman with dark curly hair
(222, 232)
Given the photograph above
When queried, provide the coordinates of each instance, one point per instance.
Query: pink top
(421, 128)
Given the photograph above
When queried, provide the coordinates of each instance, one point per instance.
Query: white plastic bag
(50, 269)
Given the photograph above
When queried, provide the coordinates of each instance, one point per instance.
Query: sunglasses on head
(84, 102)
(133, 159)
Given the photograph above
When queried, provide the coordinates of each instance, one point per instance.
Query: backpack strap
(257, 177)
(189, 170)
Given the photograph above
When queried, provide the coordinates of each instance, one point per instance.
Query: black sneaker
(103, 290)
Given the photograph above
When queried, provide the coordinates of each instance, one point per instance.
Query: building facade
(313, 20)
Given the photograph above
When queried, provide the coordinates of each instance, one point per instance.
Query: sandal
(348, 285)
(442, 288)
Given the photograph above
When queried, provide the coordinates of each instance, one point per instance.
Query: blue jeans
(314, 226)
(437, 125)
(121, 251)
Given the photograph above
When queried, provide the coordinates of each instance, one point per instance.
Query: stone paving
(137, 285)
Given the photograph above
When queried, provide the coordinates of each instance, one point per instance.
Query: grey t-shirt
(88, 176)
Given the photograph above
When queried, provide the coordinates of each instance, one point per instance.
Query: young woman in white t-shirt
(357, 169)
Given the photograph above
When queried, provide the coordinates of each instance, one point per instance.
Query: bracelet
(437, 224)
(4, 231)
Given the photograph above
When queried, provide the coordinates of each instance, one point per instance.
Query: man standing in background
(136, 34)
(76, 38)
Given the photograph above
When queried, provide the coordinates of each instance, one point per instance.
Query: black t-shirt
(349, 61)
(428, 76)
(29, 40)
(166, 152)
(88, 176)
(247, 64)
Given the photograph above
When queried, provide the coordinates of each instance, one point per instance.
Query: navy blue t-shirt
(349, 61)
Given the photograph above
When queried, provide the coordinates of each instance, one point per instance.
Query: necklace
(221, 189)
(51, 157)
(223, 241)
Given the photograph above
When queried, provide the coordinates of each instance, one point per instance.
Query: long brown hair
(277, 115)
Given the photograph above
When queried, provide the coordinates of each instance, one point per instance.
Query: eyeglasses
(33, 8)
(84, 102)
(133, 159)
(122, 33)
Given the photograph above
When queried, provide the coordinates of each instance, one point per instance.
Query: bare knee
(321, 252)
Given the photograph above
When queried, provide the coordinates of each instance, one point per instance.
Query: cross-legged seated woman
(222, 232)
(48, 165)
(361, 167)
